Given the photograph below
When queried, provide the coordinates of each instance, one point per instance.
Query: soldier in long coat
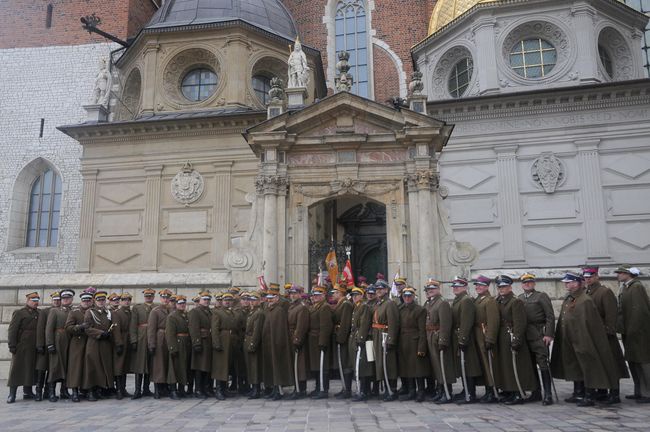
(512, 344)
(371, 302)
(438, 328)
(200, 322)
(342, 315)
(276, 345)
(179, 345)
(581, 352)
(42, 356)
(412, 346)
(486, 330)
(224, 331)
(385, 333)
(298, 316)
(140, 362)
(253, 344)
(539, 333)
(360, 333)
(321, 324)
(634, 326)
(607, 306)
(121, 353)
(463, 315)
(157, 344)
(98, 359)
(58, 342)
(238, 360)
(75, 327)
(22, 346)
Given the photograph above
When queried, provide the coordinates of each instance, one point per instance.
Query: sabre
(494, 383)
(464, 374)
(338, 353)
(384, 336)
(514, 367)
(444, 375)
(552, 380)
(356, 370)
(322, 366)
(295, 369)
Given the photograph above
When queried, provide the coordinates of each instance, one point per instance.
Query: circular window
(606, 61)
(199, 84)
(261, 86)
(533, 58)
(460, 76)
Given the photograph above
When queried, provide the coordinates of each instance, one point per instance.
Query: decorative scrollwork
(187, 186)
(271, 184)
(548, 172)
(238, 259)
(423, 179)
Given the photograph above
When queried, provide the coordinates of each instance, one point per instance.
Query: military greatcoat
(541, 322)
(385, 324)
(321, 324)
(179, 345)
(225, 327)
(42, 358)
(512, 337)
(138, 335)
(360, 333)
(486, 330)
(122, 319)
(412, 340)
(200, 322)
(342, 315)
(253, 345)
(463, 316)
(298, 315)
(438, 327)
(22, 341)
(57, 337)
(76, 330)
(156, 341)
(581, 351)
(98, 360)
(276, 346)
(634, 321)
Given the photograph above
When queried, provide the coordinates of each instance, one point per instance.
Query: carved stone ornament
(345, 187)
(548, 172)
(238, 259)
(462, 255)
(271, 184)
(187, 186)
(345, 80)
(423, 179)
(276, 93)
(416, 85)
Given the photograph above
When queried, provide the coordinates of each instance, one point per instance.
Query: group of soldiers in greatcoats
(266, 344)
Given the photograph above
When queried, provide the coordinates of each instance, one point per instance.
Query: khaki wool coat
(200, 322)
(42, 359)
(634, 321)
(225, 327)
(486, 329)
(412, 340)
(342, 316)
(386, 313)
(179, 346)
(253, 345)
(512, 336)
(607, 306)
(438, 327)
(276, 346)
(298, 315)
(56, 336)
(463, 316)
(140, 363)
(98, 359)
(22, 340)
(321, 324)
(156, 341)
(76, 330)
(581, 351)
(122, 319)
(360, 327)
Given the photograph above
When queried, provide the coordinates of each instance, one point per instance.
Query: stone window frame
(543, 27)
(128, 105)
(19, 208)
(269, 65)
(329, 20)
(618, 47)
(443, 69)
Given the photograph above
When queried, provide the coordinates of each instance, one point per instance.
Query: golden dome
(445, 11)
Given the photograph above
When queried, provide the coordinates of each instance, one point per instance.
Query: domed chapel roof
(445, 11)
(269, 15)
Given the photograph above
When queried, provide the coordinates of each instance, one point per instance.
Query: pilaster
(509, 206)
(151, 218)
(587, 62)
(221, 214)
(86, 228)
(149, 76)
(486, 64)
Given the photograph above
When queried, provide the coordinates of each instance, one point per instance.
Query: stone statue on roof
(298, 68)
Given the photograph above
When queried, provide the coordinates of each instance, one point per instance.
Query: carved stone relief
(180, 65)
(614, 44)
(423, 179)
(271, 184)
(187, 186)
(548, 172)
(444, 68)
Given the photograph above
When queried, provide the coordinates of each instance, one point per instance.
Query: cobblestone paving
(240, 414)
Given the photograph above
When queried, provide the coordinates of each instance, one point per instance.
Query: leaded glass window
(44, 210)
(606, 60)
(460, 76)
(533, 58)
(352, 36)
(261, 86)
(199, 84)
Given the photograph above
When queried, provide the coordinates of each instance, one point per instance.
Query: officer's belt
(379, 326)
(182, 334)
(433, 327)
(143, 324)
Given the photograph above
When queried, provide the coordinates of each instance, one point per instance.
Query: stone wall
(49, 84)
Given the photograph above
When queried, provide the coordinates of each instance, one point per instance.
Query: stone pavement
(240, 414)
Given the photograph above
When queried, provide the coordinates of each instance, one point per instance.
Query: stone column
(221, 217)
(593, 204)
(151, 223)
(509, 206)
(86, 229)
(587, 61)
(149, 77)
(424, 181)
(414, 234)
(486, 56)
(268, 187)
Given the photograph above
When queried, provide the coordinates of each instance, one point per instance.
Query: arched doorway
(353, 222)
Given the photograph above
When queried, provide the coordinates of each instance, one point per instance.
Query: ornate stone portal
(350, 146)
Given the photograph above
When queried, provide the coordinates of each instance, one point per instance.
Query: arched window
(352, 36)
(44, 210)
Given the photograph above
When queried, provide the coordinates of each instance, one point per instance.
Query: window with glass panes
(44, 210)
(199, 84)
(606, 60)
(460, 76)
(261, 86)
(352, 36)
(533, 58)
(643, 6)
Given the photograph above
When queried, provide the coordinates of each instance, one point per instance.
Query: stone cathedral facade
(523, 144)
